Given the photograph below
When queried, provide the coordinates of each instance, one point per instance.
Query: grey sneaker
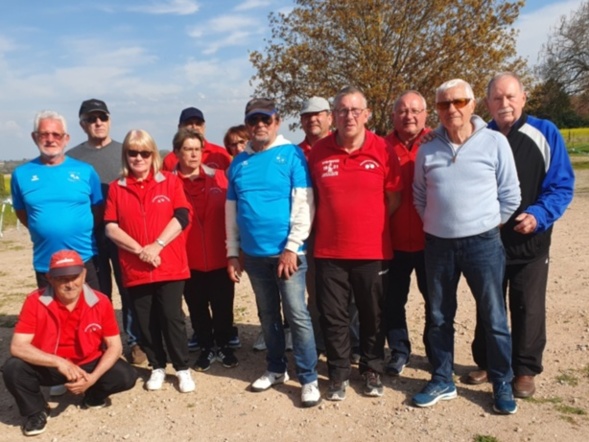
(268, 379)
(337, 390)
(372, 384)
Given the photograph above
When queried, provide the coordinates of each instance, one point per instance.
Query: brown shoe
(138, 357)
(477, 377)
(524, 386)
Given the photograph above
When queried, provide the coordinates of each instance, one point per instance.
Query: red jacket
(40, 317)
(406, 226)
(205, 238)
(144, 217)
(213, 156)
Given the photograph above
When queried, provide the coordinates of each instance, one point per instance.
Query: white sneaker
(185, 382)
(287, 339)
(57, 390)
(260, 344)
(268, 379)
(310, 395)
(156, 380)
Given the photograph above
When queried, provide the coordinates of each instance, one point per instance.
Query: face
(351, 116)
(68, 288)
(96, 125)
(263, 130)
(51, 139)
(316, 124)
(409, 116)
(235, 144)
(195, 124)
(190, 155)
(138, 165)
(455, 118)
(506, 101)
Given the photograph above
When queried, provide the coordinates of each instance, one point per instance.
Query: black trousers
(209, 296)
(24, 381)
(160, 318)
(526, 286)
(401, 267)
(366, 281)
(91, 275)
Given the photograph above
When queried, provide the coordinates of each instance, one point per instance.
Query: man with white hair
(465, 187)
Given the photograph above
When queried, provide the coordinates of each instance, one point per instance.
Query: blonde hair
(141, 140)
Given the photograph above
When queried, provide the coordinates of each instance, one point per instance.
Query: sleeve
(558, 185)
(508, 190)
(27, 319)
(231, 227)
(17, 200)
(302, 202)
(109, 321)
(419, 183)
(96, 197)
(111, 210)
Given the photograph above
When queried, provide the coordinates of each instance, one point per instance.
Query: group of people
(345, 216)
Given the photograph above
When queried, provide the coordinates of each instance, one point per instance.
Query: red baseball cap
(65, 263)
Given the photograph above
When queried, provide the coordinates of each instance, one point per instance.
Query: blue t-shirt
(58, 201)
(262, 185)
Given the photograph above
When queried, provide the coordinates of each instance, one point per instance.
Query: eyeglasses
(46, 135)
(413, 112)
(458, 103)
(145, 154)
(354, 111)
(92, 118)
(255, 119)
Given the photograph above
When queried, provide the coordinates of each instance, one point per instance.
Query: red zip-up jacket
(406, 226)
(205, 238)
(144, 216)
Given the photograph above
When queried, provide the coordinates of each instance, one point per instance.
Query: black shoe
(35, 423)
(90, 402)
(397, 364)
(372, 384)
(226, 356)
(205, 359)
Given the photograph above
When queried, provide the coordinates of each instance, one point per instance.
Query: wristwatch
(160, 242)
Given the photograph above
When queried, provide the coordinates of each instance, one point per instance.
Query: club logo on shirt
(93, 328)
(330, 168)
(74, 177)
(280, 159)
(160, 199)
(215, 190)
(369, 164)
(213, 165)
(34, 178)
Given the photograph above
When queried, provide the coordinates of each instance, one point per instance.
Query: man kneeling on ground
(66, 334)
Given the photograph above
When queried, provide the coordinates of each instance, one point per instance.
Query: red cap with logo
(65, 263)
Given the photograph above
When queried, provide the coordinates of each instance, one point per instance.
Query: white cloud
(535, 27)
(232, 30)
(253, 4)
(177, 7)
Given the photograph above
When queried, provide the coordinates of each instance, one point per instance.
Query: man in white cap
(66, 333)
(316, 122)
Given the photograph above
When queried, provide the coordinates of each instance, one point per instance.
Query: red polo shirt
(351, 220)
(406, 226)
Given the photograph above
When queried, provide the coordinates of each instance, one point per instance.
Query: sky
(149, 59)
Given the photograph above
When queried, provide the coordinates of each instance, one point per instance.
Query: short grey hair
(404, 94)
(48, 115)
(348, 90)
(501, 75)
(454, 83)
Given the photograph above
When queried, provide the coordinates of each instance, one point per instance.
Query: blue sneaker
(503, 400)
(434, 392)
(193, 344)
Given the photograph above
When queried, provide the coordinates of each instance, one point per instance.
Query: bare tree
(384, 47)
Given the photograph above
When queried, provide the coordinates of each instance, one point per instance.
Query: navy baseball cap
(263, 106)
(93, 105)
(191, 112)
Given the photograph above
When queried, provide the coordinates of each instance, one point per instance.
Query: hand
(71, 371)
(526, 223)
(287, 264)
(81, 385)
(150, 254)
(234, 269)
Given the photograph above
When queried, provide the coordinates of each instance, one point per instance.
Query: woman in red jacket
(145, 214)
(209, 286)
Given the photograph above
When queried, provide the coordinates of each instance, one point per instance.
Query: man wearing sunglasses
(104, 154)
(58, 199)
(465, 188)
(269, 211)
(547, 182)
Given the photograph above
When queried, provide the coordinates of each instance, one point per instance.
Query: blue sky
(149, 59)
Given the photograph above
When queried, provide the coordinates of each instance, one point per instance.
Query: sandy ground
(223, 409)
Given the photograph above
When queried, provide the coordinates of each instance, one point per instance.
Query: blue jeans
(270, 292)
(481, 259)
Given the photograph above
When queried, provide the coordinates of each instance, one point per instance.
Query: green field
(577, 140)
